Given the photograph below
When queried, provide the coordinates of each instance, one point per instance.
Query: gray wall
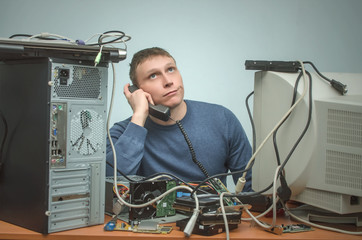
(210, 39)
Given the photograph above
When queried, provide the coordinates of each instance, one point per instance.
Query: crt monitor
(325, 170)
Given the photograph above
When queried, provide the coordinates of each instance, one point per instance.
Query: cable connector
(284, 191)
(79, 42)
(98, 58)
(240, 185)
(340, 87)
(45, 34)
(191, 224)
(118, 207)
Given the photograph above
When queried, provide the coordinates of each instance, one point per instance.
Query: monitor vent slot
(344, 128)
(83, 83)
(344, 169)
(323, 199)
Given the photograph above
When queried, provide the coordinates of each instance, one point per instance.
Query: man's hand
(138, 100)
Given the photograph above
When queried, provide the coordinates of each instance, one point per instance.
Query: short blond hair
(142, 56)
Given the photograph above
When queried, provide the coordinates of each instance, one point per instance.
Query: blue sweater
(216, 135)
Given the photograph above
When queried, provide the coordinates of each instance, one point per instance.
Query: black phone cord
(191, 148)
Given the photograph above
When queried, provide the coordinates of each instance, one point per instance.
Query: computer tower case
(52, 138)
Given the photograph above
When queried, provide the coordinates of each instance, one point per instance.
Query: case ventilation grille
(87, 133)
(84, 83)
(344, 128)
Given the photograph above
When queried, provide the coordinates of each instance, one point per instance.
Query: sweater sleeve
(239, 151)
(128, 139)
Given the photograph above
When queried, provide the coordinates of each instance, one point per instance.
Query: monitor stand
(314, 214)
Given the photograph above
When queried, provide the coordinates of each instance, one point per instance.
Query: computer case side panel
(24, 177)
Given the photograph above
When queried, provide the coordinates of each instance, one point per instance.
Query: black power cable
(284, 192)
(306, 126)
(276, 131)
(100, 43)
(20, 35)
(251, 119)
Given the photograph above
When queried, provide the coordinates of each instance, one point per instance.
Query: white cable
(45, 35)
(115, 184)
(305, 90)
(94, 35)
(160, 176)
(273, 206)
(321, 226)
(252, 217)
(256, 220)
(224, 214)
(261, 214)
(114, 35)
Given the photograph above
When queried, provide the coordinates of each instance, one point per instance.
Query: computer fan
(87, 133)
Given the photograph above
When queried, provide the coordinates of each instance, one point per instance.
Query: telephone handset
(158, 111)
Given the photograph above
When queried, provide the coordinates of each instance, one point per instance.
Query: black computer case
(52, 136)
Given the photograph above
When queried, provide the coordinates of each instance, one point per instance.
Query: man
(146, 145)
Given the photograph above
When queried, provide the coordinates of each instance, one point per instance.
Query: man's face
(160, 77)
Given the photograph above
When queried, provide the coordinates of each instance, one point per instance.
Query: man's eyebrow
(170, 64)
(153, 70)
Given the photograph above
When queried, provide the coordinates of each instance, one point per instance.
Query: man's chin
(174, 104)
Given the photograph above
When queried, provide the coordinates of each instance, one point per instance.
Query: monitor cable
(340, 87)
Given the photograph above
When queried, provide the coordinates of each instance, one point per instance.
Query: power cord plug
(240, 185)
(191, 224)
(118, 207)
(284, 191)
